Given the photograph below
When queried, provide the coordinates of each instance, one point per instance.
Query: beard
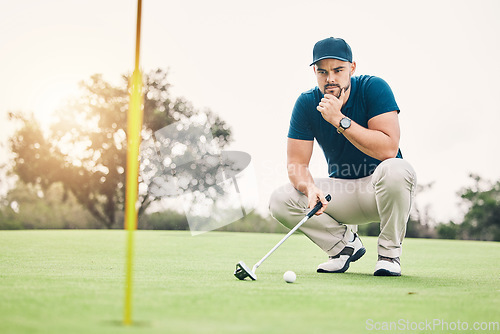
(330, 86)
(345, 88)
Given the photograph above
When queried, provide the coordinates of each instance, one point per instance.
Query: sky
(249, 61)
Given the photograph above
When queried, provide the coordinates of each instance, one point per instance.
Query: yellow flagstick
(134, 126)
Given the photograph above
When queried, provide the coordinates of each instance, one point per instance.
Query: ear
(353, 67)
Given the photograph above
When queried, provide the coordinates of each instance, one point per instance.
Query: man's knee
(277, 202)
(395, 175)
(281, 203)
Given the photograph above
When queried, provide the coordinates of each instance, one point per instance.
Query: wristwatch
(345, 123)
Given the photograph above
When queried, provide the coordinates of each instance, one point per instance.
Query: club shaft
(279, 243)
(311, 213)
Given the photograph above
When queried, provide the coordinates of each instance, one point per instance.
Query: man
(355, 121)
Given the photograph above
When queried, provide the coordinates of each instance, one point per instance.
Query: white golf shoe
(339, 263)
(387, 266)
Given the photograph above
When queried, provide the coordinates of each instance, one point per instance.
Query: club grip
(318, 206)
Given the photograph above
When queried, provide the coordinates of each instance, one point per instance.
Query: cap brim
(330, 57)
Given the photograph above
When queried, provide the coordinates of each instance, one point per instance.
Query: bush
(372, 229)
(166, 220)
(448, 231)
(172, 220)
(8, 220)
(254, 222)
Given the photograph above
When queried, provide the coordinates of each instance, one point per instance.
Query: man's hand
(330, 106)
(313, 196)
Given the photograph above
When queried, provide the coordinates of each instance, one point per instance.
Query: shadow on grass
(400, 281)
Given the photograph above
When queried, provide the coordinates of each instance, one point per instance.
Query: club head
(242, 271)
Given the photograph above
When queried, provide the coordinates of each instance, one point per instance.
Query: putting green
(72, 281)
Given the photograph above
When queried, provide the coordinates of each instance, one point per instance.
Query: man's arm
(380, 140)
(299, 154)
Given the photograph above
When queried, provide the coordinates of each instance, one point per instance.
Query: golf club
(243, 271)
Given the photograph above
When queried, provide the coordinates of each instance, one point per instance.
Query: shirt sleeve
(300, 127)
(379, 98)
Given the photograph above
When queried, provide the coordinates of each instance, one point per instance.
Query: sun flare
(52, 95)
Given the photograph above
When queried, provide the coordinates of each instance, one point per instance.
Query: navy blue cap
(332, 48)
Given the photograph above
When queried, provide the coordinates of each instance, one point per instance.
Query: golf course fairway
(72, 281)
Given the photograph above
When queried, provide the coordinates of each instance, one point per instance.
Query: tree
(482, 220)
(85, 147)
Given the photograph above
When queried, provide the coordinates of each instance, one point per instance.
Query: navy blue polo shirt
(370, 96)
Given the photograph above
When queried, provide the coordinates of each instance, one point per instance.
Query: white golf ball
(289, 276)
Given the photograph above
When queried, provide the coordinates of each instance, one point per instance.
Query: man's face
(333, 75)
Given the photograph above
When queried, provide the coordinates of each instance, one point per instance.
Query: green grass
(73, 282)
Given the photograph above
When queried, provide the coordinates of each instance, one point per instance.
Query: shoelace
(389, 259)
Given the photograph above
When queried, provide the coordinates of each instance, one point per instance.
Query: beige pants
(386, 196)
